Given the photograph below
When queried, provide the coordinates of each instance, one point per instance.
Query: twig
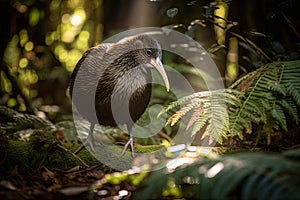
(74, 155)
(291, 25)
(163, 135)
(229, 25)
(253, 45)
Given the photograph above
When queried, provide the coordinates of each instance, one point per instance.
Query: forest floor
(81, 182)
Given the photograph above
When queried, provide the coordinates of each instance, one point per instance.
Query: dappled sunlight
(67, 36)
(214, 170)
(72, 24)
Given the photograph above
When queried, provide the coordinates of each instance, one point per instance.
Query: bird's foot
(88, 142)
(129, 142)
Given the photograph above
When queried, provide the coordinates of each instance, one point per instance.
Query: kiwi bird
(111, 83)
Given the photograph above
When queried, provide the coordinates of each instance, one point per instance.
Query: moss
(44, 150)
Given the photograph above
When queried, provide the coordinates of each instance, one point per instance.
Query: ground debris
(50, 184)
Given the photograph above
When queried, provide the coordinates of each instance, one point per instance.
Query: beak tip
(159, 67)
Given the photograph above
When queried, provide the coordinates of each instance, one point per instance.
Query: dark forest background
(41, 41)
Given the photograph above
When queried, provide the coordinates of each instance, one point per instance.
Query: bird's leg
(89, 140)
(129, 142)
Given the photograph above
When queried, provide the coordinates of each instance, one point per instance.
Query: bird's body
(111, 84)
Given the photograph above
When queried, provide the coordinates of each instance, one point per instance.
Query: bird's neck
(132, 80)
(127, 71)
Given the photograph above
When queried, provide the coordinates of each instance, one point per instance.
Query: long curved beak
(159, 67)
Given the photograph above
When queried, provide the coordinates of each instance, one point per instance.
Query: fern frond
(186, 99)
(278, 114)
(218, 127)
(209, 107)
(245, 80)
(250, 110)
(294, 91)
(279, 89)
(184, 110)
(197, 112)
(265, 101)
(18, 121)
(171, 106)
(200, 122)
(290, 106)
(263, 96)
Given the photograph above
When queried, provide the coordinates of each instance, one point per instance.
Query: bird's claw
(88, 142)
(129, 142)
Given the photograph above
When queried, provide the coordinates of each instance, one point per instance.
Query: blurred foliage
(49, 39)
(233, 176)
(276, 177)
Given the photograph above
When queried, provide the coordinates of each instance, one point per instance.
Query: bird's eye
(148, 52)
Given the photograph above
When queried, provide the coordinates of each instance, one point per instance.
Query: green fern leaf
(19, 121)
(263, 96)
(200, 123)
(278, 114)
(279, 89)
(289, 105)
(294, 91)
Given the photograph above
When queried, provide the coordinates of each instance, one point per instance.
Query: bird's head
(148, 53)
